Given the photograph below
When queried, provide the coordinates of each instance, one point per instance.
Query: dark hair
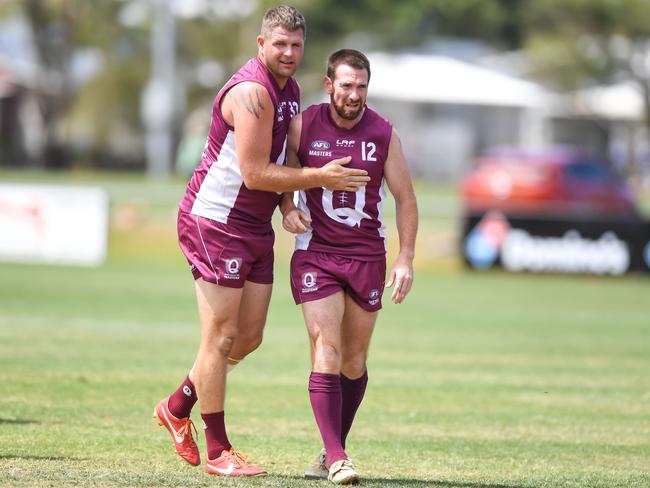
(350, 57)
(284, 16)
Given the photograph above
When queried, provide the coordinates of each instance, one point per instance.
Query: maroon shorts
(224, 255)
(316, 275)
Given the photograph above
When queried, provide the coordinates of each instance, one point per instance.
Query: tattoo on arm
(253, 106)
(260, 105)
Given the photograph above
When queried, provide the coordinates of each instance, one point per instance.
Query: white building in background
(447, 110)
(610, 118)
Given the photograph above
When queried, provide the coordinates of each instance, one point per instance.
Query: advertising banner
(53, 224)
(602, 247)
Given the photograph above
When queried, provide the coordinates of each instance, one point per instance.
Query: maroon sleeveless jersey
(216, 189)
(345, 223)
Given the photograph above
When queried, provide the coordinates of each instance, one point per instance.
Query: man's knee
(220, 341)
(329, 355)
(248, 341)
(245, 344)
(354, 366)
(225, 343)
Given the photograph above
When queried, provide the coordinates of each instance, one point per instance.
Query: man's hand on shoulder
(334, 175)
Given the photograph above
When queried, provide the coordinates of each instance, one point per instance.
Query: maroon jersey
(216, 189)
(345, 223)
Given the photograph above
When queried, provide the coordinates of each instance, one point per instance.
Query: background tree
(573, 43)
(577, 43)
(52, 26)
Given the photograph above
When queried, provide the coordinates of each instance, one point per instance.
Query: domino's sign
(558, 246)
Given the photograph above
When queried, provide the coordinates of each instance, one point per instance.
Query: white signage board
(65, 225)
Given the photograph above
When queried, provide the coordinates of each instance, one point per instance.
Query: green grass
(478, 380)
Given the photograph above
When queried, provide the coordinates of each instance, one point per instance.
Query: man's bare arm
(293, 219)
(248, 107)
(398, 178)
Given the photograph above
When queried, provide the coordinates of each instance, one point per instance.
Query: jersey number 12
(368, 151)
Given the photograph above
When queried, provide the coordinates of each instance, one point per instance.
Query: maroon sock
(352, 392)
(325, 397)
(216, 438)
(182, 400)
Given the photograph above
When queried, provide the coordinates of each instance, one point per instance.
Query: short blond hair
(283, 16)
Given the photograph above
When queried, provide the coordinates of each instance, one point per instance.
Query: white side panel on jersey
(220, 188)
(380, 213)
(282, 157)
(303, 240)
(283, 153)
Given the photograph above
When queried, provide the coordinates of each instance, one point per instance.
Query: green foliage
(577, 43)
(573, 43)
(410, 23)
(588, 39)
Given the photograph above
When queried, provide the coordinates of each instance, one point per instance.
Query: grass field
(478, 380)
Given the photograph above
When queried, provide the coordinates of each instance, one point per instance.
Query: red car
(557, 182)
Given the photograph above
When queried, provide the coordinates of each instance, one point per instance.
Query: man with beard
(224, 230)
(339, 265)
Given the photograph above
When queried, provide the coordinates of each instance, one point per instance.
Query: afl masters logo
(320, 148)
(320, 145)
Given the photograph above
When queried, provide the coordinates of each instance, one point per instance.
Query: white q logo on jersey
(309, 280)
(232, 265)
(346, 215)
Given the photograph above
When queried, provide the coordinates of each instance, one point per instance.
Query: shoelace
(186, 427)
(346, 464)
(238, 457)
